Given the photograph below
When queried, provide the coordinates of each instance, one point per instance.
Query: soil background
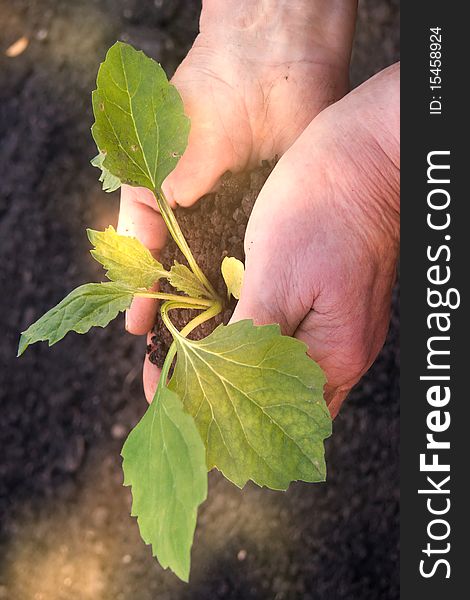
(65, 530)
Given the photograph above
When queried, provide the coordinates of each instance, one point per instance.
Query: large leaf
(126, 259)
(93, 304)
(140, 125)
(184, 280)
(109, 181)
(257, 400)
(164, 462)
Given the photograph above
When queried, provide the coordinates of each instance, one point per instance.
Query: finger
(252, 305)
(342, 350)
(207, 157)
(344, 346)
(334, 399)
(141, 315)
(150, 375)
(213, 137)
(139, 218)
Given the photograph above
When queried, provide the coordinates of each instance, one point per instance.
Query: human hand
(322, 241)
(251, 83)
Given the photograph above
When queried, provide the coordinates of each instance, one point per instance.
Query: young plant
(246, 399)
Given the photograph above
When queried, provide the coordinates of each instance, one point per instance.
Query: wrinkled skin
(321, 243)
(250, 84)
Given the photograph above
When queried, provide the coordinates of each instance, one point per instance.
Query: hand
(251, 83)
(322, 241)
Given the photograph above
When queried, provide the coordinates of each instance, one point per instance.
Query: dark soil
(214, 228)
(65, 533)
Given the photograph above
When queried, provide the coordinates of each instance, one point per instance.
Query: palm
(244, 109)
(322, 241)
(309, 269)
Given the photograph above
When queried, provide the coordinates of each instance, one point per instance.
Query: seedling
(246, 399)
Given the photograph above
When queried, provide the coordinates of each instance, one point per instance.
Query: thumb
(205, 160)
(263, 297)
(139, 218)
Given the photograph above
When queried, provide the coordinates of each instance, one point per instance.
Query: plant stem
(165, 369)
(212, 311)
(177, 235)
(186, 300)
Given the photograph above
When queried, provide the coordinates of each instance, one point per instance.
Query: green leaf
(164, 461)
(126, 259)
(93, 304)
(109, 181)
(184, 280)
(257, 400)
(140, 123)
(232, 272)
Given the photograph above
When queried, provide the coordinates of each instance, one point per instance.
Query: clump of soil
(214, 228)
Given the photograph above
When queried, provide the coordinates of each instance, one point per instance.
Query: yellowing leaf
(140, 125)
(126, 259)
(164, 461)
(232, 272)
(184, 280)
(90, 305)
(257, 400)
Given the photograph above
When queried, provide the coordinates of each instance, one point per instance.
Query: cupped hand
(251, 83)
(322, 241)
(253, 80)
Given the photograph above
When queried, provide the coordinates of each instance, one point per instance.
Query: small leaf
(140, 123)
(126, 259)
(109, 181)
(184, 280)
(93, 304)
(257, 401)
(164, 461)
(232, 272)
